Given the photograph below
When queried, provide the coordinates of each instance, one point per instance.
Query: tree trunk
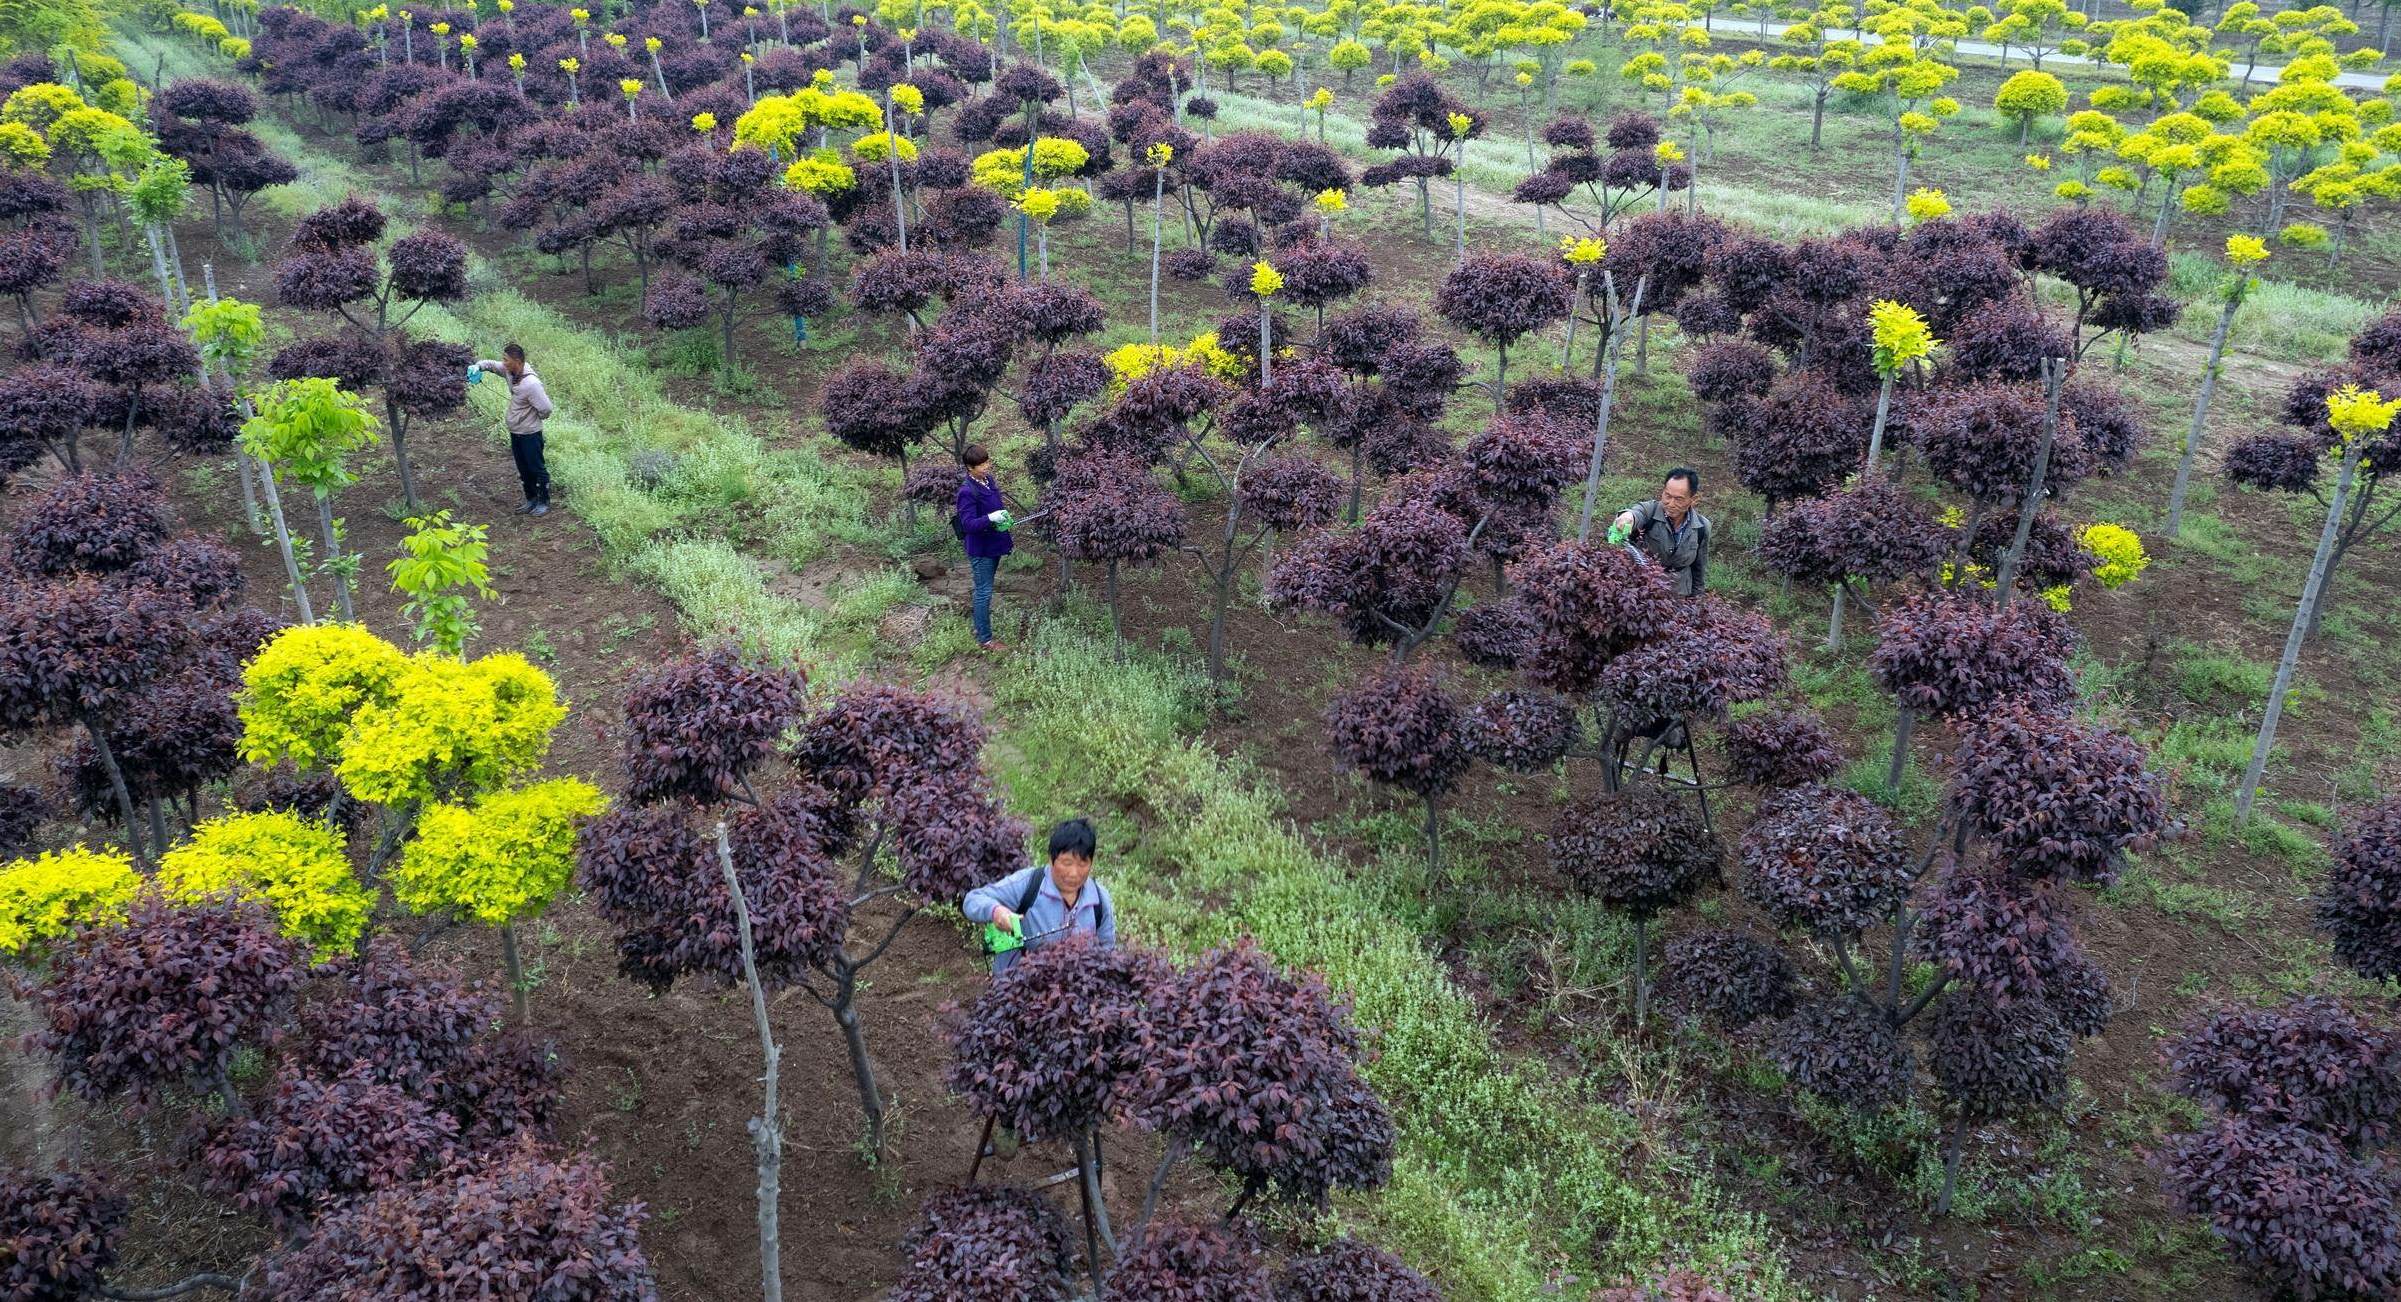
(766, 1129)
(2054, 375)
(1642, 976)
(1903, 724)
(516, 969)
(1834, 622)
(2209, 388)
(283, 536)
(1600, 425)
(1950, 1164)
(333, 558)
(1817, 120)
(1116, 622)
(1875, 436)
(1900, 180)
(2312, 593)
(1158, 196)
(116, 784)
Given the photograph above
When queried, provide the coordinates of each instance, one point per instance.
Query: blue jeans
(984, 568)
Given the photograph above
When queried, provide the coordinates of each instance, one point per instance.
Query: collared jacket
(1683, 553)
(978, 499)
(529, 403)
(1047, 921)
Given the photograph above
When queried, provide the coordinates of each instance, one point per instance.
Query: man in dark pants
(1670, 531)
(529, 406)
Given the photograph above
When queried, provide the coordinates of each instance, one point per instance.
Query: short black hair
(973, 455)
(1690, 476)
(515, 351)
(1075, 837)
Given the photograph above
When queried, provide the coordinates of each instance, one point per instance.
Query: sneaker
(541, 508)
(526, 507)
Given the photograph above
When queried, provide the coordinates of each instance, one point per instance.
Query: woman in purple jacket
(981, 525)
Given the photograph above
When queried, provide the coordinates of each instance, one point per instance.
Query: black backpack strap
(1033, 892)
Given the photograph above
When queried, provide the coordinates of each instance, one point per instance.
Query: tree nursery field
(1956, 858)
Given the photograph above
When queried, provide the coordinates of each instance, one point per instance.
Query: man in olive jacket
(529, 406)
(1670, 531)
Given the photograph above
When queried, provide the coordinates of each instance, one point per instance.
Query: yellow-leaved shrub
(295, 867)
(500, 860)
(49, 897)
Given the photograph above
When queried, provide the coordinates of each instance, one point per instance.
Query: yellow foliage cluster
(295, 867)
(50, 896)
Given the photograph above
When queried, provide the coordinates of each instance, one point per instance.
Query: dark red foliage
(1727, 978)
(58, 1234)
(1494, 634)
(2108, 423)
(318, 1142)
(524, 1223)
(1189, 1263)
(1723, 369)
(2052, 557)
(1825, 860)
(2360, 906)
(1290, 493)
(1057, 384)
(986, 1243)
(2293, 1206)
(951, 837)
(1666, 252)
(1868, 532)
(1991, 1060)
(1316, 273)
(1719, 656)
(676, 301)
(656, 878)
(1802, 439)
(876, 740)
(167, 997)
(111, 304)
(1056, 1044)
(1982, 439)
(2055, 798)
(1640, 851)
(1782, 746)
(2005, 938)
(2008, 340)
(1403, 729)
(1109, 509)
(868, 407)
(22, 809)
(1500, 296)
(80, 649)
(1843, 1050)
(1349, 1270)
(92, 523)
(420, 1029)
(2276, 463)
(1956, 654)
(2310, 1062)
(1520, 730)
(1589, 604)
(45, 407)
(696, 728)
(207, 100)
(324, 279)
(171, 740)
(356, 360)
(1394, 569)
(1255, 1069)
(429, 265)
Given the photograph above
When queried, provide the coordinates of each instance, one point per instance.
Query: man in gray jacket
(528, 407)
(1670, 531)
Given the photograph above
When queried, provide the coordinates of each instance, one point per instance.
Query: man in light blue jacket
(1036, 906)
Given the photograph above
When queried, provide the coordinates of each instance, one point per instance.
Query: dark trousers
(532, 472)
